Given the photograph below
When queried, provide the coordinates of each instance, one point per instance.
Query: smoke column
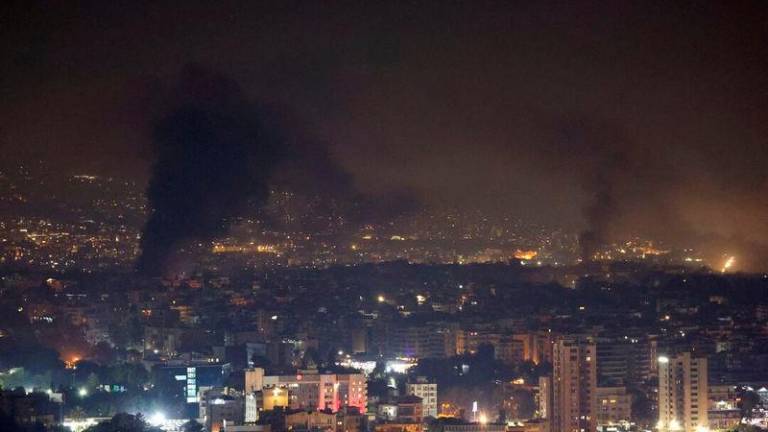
(596, 152)
(212, 155)
(216, 155)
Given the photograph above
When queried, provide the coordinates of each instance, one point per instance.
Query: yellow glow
(525, 254)
(247, 248)
(483, 419)
(728, 264)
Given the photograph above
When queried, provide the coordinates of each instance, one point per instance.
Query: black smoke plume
(217, 154)
(611, 175)
(213, 153)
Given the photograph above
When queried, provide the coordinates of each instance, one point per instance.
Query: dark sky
(521, 108)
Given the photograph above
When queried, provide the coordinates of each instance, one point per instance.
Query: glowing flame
(728, 264)
(525, 254)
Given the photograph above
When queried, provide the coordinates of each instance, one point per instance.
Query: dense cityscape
(459, 326)
(384, 216)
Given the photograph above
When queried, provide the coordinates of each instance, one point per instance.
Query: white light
(663, 359)
(483, 419)
(79, 424)
(381, 299)
(83, 392)
(702, 429)
(274, 317)
(157, 419)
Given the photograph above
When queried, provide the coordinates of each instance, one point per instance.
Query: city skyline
(384, 216)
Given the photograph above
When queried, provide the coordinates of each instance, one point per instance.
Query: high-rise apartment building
(683, 393)
(574, 386)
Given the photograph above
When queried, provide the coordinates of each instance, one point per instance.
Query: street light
(83, 392)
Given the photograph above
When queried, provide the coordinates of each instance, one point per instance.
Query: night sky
(619, 117)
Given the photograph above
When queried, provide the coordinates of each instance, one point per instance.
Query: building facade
(427, 392)
(683, 393)
(574, 386)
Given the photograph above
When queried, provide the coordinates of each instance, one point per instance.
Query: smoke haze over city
(625, 119)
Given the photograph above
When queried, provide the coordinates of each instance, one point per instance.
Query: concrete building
(219, 408)
(350, 419)
(683, 393)
(509, 350)
(311, 421)
(537, 346)
(311, 389)
(428, 341)
(398, 427)
(614, 406)
(409, 409)
(273, 397)
(254, 380)
(545, 401)
(574, 385)
(427, 392)
(623, 361)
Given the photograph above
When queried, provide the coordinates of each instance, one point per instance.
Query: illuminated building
(219, 409)
(398, 427)
(254, 380)
(427, 392)
(273, 397)
(469, 427)
(252, 402)
(310, 389)
(683, 393)
(545, 399)
(537, 346)
(186, 380)
(574, 386)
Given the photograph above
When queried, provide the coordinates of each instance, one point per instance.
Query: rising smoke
(213, 153)
(217, 155)
(612, 173)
